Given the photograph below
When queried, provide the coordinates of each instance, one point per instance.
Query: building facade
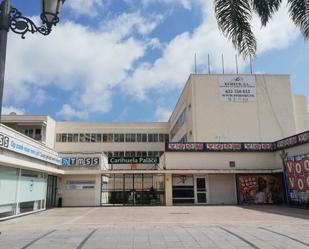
(223, 144)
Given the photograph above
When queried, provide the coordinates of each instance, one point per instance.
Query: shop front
(133, 189)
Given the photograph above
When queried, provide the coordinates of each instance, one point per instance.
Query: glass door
(201, 190)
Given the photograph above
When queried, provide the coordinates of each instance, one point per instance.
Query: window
(133, 138)
(161, 138)
(155, 138)
(64, 137)
(58, 138)
(29, 132)
(139, 138)
(118, 138)
(179, 123)
(167, 138)
(82, 138)
(70, 138)
(130, 154)
(92, 138)
(99, 138)
(87, 138)
(150, 153)
(75, 138)
(150, 138)
(144, 153)
(144, 138)
(108, 138)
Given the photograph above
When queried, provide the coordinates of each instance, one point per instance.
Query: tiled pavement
(159, 227)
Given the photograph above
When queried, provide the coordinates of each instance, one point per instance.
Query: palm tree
(234, 18)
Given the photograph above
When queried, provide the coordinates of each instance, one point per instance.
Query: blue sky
(127, 60)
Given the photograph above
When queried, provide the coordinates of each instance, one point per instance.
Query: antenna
(251, 64)
(195, 70)
(236, 61)
(208, 64)
(222, 58)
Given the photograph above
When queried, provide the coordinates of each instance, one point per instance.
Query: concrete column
(168, 190)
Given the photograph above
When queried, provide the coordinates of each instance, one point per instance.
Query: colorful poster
(297, 175)
(260, 189)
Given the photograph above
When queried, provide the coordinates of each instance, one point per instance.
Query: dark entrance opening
(51, 191)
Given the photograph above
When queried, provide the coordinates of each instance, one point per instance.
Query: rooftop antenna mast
(251, 70)
(195, 69)
(236, 63)
(222, 59)
(208, 64)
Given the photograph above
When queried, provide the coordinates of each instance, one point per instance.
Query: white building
(223, 133)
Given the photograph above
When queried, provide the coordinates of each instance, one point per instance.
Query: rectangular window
(155, 138)
(64, 137)
(179, 123)
(99, 138)
(82, 138)
(144, 153)
(138, 153)
(93, 138)
(75, 138)
(161, 138)
(130, 154)
(133, 138)
(150, 153)
(116, 138)
(150, 138)
(144, 138)
(167, 138)
(139, 138)
(87, 138)
(128, 137)
(70, 137)
(58, 138)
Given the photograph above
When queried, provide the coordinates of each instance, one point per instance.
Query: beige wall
(220, 160)
(301, 113)
(168, 190)
(76, 197)
(222, 189)
(50, 133)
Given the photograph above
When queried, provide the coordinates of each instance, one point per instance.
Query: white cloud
(162, 114)
(177, 61)
(187, 4)
(68, 112)
(84, 62)
(86, 8)
(9, 109)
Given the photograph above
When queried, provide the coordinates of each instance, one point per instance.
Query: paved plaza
(159, 227)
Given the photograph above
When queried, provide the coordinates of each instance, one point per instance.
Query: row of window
(111, 137)
(134, 153)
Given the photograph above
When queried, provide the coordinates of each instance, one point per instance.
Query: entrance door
(200, 190)
(51, 191)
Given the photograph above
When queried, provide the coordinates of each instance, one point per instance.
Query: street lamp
(12, 19)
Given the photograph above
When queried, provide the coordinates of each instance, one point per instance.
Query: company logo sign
(80, 161)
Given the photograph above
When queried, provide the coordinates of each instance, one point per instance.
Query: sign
(18, 146)
(133, 160)
(302, 138)
(80, 161)
(237, 88)
(297, 175)
(260, 189)
(219, 147)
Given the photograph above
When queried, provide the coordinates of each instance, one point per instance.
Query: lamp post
(12, 19)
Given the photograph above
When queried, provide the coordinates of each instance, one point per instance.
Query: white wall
(269, 118)
(301, 113)
(220, 160)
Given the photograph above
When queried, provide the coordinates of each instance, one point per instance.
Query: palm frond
(265, 9)
(299, 12)
(233, 17)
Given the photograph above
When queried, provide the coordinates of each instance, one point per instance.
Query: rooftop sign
(133, 160)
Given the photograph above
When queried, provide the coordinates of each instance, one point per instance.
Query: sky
(128, 60)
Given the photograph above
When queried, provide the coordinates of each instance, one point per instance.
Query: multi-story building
(221, 145)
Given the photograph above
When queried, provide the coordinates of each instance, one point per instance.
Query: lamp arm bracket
(21, 25)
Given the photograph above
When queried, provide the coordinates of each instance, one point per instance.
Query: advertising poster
(260, 189)
(297, 172)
